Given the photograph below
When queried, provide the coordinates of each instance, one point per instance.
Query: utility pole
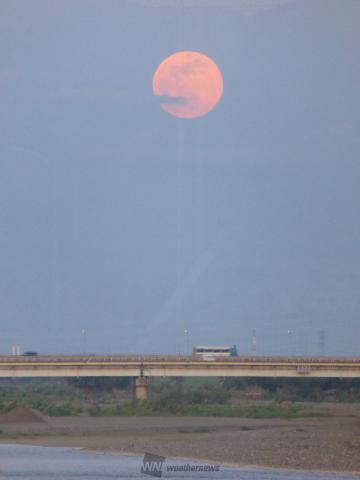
(321, 342)
(187, 341)
(83, 333)
(253, 343)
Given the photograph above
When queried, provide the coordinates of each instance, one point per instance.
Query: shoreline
(223, 464)
(191, 460)
(326, 445)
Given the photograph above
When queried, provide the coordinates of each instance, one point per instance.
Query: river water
(25, 462)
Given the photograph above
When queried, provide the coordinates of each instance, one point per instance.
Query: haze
(122, 226)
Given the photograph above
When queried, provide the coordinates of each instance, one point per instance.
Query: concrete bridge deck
(168, 365)
(143, 367)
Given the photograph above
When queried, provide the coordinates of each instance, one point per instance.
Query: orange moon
(188, 84)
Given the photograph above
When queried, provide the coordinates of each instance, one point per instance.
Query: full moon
(188, 84)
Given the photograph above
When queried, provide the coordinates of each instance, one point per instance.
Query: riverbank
(328, 444)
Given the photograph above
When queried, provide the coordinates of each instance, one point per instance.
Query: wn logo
(152, 465)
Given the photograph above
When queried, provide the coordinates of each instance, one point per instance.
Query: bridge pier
(141, 388)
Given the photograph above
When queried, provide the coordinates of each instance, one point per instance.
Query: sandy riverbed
(331, 444)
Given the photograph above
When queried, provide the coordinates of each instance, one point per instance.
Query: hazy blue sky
(122, 220)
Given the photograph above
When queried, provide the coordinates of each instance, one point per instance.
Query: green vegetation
(99, 384)
(166, 392)
(200, 397)
(298, 389)
(153, 408)
(60, 397)
(177, 396)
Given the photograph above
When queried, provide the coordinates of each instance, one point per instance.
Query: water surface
(26, 462)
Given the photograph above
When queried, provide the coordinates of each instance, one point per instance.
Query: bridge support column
(141, 388)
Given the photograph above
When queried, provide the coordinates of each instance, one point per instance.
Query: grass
(148, 408)
(196, 397)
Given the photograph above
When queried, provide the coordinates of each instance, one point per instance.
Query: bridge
(144, 367)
